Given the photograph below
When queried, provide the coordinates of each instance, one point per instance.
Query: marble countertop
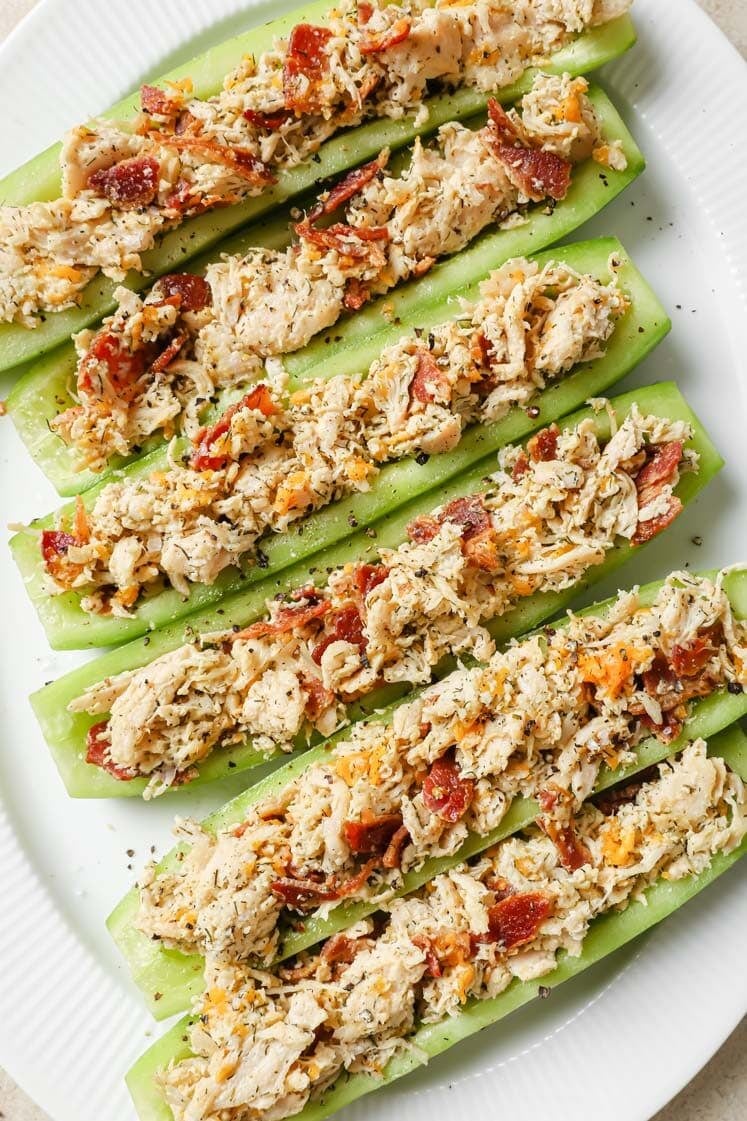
(719, 1091)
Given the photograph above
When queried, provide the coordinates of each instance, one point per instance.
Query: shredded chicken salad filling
(548, 515)
(124, 185)
(264, 1043)
(537, 720)
(156, 362)
(274, 456)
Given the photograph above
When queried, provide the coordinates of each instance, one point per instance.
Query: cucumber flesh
(65, 732)
(177, 977)
(68, 627)
(44, 391)
(608, 933)
(37, 180)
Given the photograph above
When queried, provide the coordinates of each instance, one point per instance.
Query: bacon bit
(306, 63)
(371, 834)
(369, 576)
(430, 383)
(339, 949)
(432, 964)
(445, 792)
(470, 513)
(516, 919)
(319, 698)
(347, 240)
(271, 121)
(482, 350)
(204, 458)
(346, 626)
(423, 529)
(130, 184)
(393, 856)
(97, 753)
(650, 481)
(352, 184)
(287, 619)
(385, 40)
(356, 295)
(156, 102)
(688, 661)
(478, 535)
(544, 446)
(303, 894)
(167, 356)
(184, 199)
(192, 292)
(670, 727)
(365, 11)
(240, 160)
(520, 467)
(537, 173)
(573, 854)
(55, 544)
(610, 801)
(123, 366)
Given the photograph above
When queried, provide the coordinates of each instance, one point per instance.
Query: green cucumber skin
(43, 392)
(67, 626)
(65, 732)
(18, 344)
(178, 977)
(607, 934)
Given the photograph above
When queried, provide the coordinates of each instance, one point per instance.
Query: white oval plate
(627, 1036)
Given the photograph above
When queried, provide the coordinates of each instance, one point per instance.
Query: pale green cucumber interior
(18, 344)
(607, 933)
(177, 977)
(65, 732)
(68, 627)
(353, 343)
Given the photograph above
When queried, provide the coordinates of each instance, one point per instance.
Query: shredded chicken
(538, 720)
(124, 185)
(154, 363)
(275, 457)
(264, 1043)
(545, 519)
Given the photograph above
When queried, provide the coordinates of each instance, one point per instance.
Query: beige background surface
(719, 1092)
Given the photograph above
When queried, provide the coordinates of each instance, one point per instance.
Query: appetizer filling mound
(273, 458)
(549, 514)
(155, 362)
(265, 1043)
(537, 720)
(123, 186)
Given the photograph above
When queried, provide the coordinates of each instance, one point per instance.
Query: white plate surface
(621, 1040)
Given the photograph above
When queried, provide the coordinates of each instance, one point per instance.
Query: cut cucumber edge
(607, 934)
(18, 344)
(67, 626)
(65, 732)
(177, 977)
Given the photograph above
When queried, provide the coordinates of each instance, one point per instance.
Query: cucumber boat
(68, 626)
(607, 933)
(39, 179)
(169, 978)
(43, 392)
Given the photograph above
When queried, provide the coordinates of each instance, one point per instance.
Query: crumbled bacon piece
(645, 531)
(157, 103)
(286, 619)
(240, 160)
(470, 513)
(515, 920)
(129, 184)
(356, 295)
(385, 40)
(392, 858)
(122, 367)
(658, 472)
(318, 697)
(478, 535)
(306, 63)
(190, 292)
(55, 544)
(573, 854)
(167, 356)
(423, 529)
(430, 383)
(339, 949)
(371, 834)
(445, 792)
(352, 184)
(368, 577)
(537, 173)
(97, 753)
(520, 467)
(271, 121)
(345, 625)
(303, 894)
(205, 457)
(365, 11)
(349, 241)
(544, 445)
(688, 661)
